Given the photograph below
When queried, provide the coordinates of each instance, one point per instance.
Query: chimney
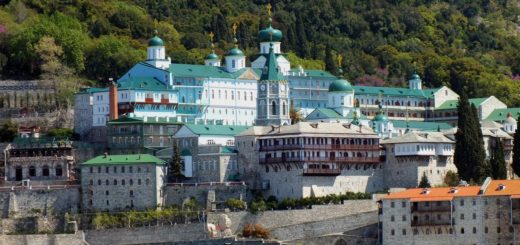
(112, 98)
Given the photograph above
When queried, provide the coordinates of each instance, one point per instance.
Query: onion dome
(414, 76)
(340, 85)
(235, 52)
(380, 116)
(270, 34)
(212, 56)
(155, 41)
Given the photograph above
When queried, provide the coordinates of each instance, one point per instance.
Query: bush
(256, 231)
(451, 178)
(235, 204)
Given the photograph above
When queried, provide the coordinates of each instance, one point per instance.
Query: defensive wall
(218, 192)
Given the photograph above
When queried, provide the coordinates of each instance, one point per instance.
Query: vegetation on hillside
(468, 45)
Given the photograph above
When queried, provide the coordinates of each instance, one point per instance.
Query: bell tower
(273, 95)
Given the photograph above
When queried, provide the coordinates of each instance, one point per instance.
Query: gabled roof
(203, 71)
(435, 194)
(452, 104)
(142, 83)
(313, 73)
(123, 160)
(228, 130)
(423, 126)
(511, 187)
(322, 113)
(311, 128)
(391, 91)
(499, 115)
(419, 137)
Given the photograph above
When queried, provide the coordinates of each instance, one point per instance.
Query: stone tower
(273, 95)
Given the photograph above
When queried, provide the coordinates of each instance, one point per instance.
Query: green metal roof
(340, 85)
(423, 126)
(271, 71)
(328, 113)
(155, 41)
(316, 73)
(201, 129)
(228, 150)
(123, 160)
(92, 90)
(235, 52)
(452, 104)
(211, 56)
(202, 71)
(270, 34)
(398, 92)
(499, 115)
(141, 83)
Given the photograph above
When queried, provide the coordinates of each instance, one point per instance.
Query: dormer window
(425, 191)
(501, 187)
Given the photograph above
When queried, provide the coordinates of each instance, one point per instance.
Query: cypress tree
(470, 156)
(425, 183)
(498, 162)
(174, 168)
(516, 149)
(330, 63)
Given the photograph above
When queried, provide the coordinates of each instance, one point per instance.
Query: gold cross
(235, 28)
(269, 7)
(211, 35)
(339, 58)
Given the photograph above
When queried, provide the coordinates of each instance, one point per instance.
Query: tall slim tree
(425, 183)
(469, 146)
(174, 168)
(330, 61)
(497, 161)
(516, 149)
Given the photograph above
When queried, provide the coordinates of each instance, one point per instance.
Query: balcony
(319, 147)
(319, 160)
(508, 146)
(431, 222)
(321, 171)
(148, 100)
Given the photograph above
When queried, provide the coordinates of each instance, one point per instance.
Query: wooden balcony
(319, 160)
(148, 100)
(319, 147)
(321, 172)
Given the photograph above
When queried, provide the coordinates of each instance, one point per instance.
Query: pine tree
(497, 161)
(425, 183)
(516, 149)
(174, 168)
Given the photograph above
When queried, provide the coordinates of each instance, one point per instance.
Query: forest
(468, 45)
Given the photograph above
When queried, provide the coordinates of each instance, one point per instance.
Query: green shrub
(235, 204)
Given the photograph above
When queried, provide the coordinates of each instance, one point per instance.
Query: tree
(516, 149)
(469, 146)
(497, 161)
(175, 166)
(330, 63)
(8, 131)
(425, 183)
(451, 178)
(295, 115)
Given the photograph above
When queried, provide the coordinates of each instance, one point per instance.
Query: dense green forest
(468, 45)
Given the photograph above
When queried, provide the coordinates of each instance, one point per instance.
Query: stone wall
(145, 235)
(55, 239)
(176, 195)
(26, 203)
(321, 219)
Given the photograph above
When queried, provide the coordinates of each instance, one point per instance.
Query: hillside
(467, 45)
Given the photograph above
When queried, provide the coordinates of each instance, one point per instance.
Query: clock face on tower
(262, 87)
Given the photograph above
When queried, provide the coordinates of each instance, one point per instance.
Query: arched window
(107, 182)
(32, 171)
(131, 193)
(123, 182)
(147, 181)
(99, 182)
(273, 108)
(131, 182)
(115, 182)
(45, 171)
(59, 171)
(284, 110)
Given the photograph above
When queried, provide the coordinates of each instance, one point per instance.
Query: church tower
(212, 59)
(156, 53)
(273, 95)
(415, 82)
(235, 58)
(271, 37)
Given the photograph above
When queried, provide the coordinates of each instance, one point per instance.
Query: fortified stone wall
(291, 224)
(177, 194)
(55, 239)
(26, 203)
